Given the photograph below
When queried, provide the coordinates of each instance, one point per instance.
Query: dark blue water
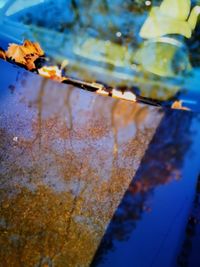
(157, 221)
(150, 228)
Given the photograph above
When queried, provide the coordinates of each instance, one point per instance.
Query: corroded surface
(67, 157)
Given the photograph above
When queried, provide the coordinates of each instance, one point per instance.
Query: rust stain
(62, 179)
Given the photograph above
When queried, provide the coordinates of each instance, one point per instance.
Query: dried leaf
(17, 53)
(178, 105)
(30, 61)
(124, 95)
(51, 72)
(25, 54)
(33, 48)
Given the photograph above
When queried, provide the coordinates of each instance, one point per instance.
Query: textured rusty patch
(67, 157)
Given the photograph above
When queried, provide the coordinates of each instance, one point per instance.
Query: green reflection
(171, 18)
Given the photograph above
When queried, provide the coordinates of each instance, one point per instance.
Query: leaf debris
(25, 54)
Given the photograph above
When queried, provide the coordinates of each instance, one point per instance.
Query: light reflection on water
(149, 226)
(64, 167)
(102, 42)
(68, 157)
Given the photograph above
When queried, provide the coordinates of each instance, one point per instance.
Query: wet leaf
(25, 54)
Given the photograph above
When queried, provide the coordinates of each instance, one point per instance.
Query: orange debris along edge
(27, 53)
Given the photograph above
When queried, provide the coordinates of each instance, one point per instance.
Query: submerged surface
(104, 41)
(89, 180)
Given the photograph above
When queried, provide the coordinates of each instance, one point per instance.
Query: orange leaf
(25, 54)
(33, 48)
(178, 105)
(51, 72)
(2, 54)
(30, 61)
(17, 53)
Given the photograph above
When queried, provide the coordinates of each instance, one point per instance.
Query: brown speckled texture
(66, 158)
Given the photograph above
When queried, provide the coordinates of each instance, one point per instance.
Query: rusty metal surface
(66, 159)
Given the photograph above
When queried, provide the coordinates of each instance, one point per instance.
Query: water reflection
(189, 255)
(102, 42)
(65, 165)
(162, 164)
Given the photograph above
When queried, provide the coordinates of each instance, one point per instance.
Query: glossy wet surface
(103, 41)
(66, 161)
(86, 178)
